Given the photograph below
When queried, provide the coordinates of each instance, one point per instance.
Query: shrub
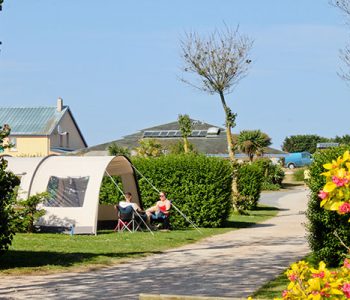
(199, 186)
(298, 174)
(249, 180)
(323, 223)
(307, 282)
(8, 181)
(272, 174)
(26, 212)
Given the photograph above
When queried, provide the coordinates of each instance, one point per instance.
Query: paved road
(233, 264)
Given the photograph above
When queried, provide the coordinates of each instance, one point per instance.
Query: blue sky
(117, 63)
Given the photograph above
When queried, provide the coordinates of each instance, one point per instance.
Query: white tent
(73, 183)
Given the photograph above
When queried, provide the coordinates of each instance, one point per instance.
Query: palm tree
(186, 130)
(252, 142)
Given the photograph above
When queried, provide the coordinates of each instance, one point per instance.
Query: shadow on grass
(24, 259)
(290, 185)
(242, 224)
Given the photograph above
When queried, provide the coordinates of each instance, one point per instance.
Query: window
(66, 191)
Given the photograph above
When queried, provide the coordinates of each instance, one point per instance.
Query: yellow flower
(329, 187)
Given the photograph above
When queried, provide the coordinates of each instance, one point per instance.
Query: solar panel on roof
(172, 133)
(195, 133)
(147, 133)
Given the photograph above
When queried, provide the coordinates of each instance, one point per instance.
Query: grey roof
(213, 145)
(31, 120)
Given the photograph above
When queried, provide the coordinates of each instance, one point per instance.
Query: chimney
(59, 104)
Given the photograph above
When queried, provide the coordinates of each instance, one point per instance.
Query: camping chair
(162, 218)
(127, 219)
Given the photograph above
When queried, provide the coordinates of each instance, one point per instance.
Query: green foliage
(249, 180)
(178, 148)
(26, 212)
(109, 193)
(272, 174)
(149, 148)
(322, 223)
(252, 142)
(342, 140)
(298, 174)
(186, 130)
(199, 186)
(8, 181)
(114, 149)
(300, 143)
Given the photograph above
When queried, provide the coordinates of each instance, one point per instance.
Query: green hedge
(109, 193)
(199, 186)
(322, 223)
(249, 180)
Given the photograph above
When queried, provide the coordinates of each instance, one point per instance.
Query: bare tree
(218, 61)
(344, 6)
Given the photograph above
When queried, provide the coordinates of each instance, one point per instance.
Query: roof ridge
(7, 107)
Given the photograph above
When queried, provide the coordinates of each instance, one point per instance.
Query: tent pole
(120, 190)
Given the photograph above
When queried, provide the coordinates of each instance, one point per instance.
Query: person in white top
(128, 202)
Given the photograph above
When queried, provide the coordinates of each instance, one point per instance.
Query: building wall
(29, 146)
(72, 140)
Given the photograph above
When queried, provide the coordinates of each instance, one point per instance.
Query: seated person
(160, 210)
(128, 203)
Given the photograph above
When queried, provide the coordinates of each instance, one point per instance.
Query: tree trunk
(231, 153)
(186, 147)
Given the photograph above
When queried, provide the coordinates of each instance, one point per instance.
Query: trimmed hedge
(322, 223)
(199, 186)
(249, 180)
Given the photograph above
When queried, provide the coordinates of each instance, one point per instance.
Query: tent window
(66, 191)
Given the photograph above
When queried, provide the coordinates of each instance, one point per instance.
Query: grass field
(47, 253)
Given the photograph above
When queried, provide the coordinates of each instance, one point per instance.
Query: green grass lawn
(46, 253)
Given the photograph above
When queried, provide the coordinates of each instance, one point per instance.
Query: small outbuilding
(73, 183)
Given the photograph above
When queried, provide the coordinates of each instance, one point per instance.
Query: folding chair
(162, 218)
(127, 219)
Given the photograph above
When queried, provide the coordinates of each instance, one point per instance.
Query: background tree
(149, 148)
(343, 140)
(186, 130)
(114, 149)
(299, 143)
(8, 181)
(252, 142)
(219, 61)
